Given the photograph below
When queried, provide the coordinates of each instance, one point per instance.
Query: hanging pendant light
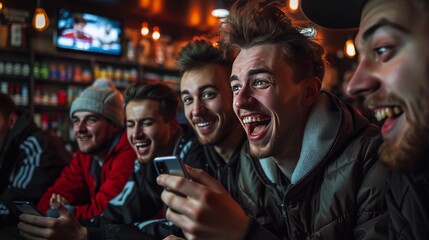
(349, 48)
(220, 9)
(40, 18)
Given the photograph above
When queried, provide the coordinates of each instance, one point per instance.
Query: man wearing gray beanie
(104, 160)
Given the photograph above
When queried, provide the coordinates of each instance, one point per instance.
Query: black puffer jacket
(408, 203)
(205, 157)
(336, 190)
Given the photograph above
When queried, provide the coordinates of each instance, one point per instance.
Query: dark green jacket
(336, 190)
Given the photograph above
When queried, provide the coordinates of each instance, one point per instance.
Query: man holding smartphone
(30, 159)
(324, 180)
(152, 130)
(214, 144)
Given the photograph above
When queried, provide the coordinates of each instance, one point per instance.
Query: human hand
(56, 200)
(65, 227)
(206, 211)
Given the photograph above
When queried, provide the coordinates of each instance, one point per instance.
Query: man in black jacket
(311, 169)
(30, 159)
(214, 143)
(393, 77)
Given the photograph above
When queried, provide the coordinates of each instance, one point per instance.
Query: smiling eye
(187, 100)
(208, 95)
(259, 83)
(384, 53)
(235, 88)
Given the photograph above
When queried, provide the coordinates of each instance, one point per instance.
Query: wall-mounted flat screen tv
(88, 32)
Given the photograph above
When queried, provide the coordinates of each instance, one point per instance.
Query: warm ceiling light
(40, 19)
(293, 5)
(145, 29)
(156, 35)
(349, 48)
(220, 9)
(1, 6)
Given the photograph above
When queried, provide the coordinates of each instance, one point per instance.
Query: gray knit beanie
(107, 102)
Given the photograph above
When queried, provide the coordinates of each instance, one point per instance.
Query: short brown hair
(259, 22)
(158, 91)
(199, 53)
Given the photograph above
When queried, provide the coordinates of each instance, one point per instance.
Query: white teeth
(203, 124)
(141, 144)
(253, 119)
(389, 112)
(382, 113)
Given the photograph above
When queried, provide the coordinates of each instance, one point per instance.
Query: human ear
(313, 86)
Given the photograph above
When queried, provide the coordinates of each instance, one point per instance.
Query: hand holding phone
(170, 165)
(27, 207)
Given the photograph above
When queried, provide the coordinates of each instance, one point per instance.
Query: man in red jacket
(104, 161)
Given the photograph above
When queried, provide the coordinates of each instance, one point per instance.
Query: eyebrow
(199, 88)
(251, 72)
(383, 22)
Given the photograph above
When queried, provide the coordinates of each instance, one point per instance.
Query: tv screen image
(88, 32)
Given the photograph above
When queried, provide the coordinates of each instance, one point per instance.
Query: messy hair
(199, 53)
(166, 96)
(259, 22)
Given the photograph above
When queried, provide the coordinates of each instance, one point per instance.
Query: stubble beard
(410, 155)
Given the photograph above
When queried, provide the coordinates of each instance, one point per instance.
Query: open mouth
(390, 117)
(83, 137)
(142, 147)
(381, 113)
(203, 124)
(256, 124)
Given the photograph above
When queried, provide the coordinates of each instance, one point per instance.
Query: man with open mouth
(393, 77)
(310, 170)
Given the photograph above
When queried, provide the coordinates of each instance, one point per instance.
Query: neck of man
(288, 159)
(100, 156)
(230, 143)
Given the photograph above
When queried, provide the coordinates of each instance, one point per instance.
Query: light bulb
(220, 12)
(349, 48)
(144, 30)
(156, 35)
(40, 19)
(293, 5)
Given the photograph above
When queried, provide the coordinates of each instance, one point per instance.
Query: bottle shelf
(62, 82)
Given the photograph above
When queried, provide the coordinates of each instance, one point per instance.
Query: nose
(243, 98)
(137, 132)
(363, 82)
(80, 126)
(198, 107)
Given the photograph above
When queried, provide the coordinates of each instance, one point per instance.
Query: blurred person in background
(30, 159)
(152, 131)
(104, 159)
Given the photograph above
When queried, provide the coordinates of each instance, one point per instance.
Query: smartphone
(170, 165)
(27, 207)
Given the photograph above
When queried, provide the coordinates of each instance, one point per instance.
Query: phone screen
(170, 165)
(27, 207)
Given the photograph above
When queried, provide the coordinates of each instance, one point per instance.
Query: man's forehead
(401, 12)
